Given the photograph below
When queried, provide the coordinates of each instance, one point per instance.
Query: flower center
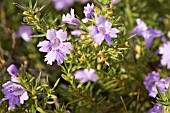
(55, 43)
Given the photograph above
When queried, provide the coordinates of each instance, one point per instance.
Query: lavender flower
(88, 11)
(103, 31)
(55, 48)
(62, 4)
(165, 51)
(77, 32)
(86, 75)
(13, 71)
(157, 108)
(25, 33)
(15, 93)
(70, 18)
(146, 32)
(152, 80)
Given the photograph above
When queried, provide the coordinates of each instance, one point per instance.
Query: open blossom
(14, 92)
(88, 11)
(86, 75)
(103, 31)
(164, 50)
(25, 33)
(157, 108)
(70, 18)
(152, 80)
(55, 48)
(146, 32)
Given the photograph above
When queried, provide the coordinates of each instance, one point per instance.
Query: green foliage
(121, 67)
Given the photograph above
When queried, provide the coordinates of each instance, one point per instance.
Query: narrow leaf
(56, 83)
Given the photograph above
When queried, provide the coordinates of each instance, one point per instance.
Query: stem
(124, 104)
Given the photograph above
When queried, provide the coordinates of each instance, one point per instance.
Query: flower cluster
(86, 75)
(152, 80)
(14, 92)
(103, 31)
(55, 48)
(146, 32)
(164, 50)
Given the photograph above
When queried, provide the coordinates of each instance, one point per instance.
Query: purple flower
(146, 32)
(152, 80)
(149, 35)
(25, 33)
(164, 50)
(86, 75)
(88, 11)
(13, 71)
(55, 48)
(70, 18)
(157, 108)
(62, 4)
(77, 32)
(141, 27)
(14, 92)
(103, 31)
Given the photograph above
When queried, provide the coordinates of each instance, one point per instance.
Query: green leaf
(65, 77)
(40, 110)
(19, 6)
(40, 35)
(30, 4)
(63, 69)
(33, 109)
(40, 9)
(38, 80)
(168, 93)
(56, 83)
(161, 95)
(35, 5)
